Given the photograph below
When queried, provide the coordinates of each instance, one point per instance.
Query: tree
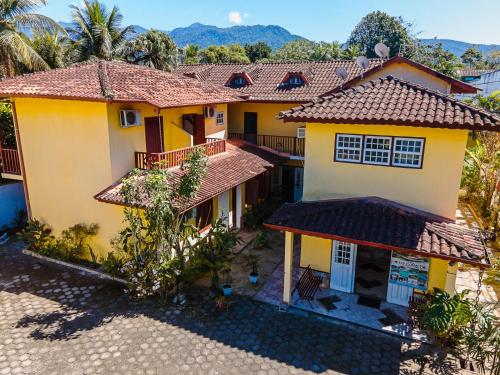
(351, 52)
(471, 57)
(378, 27)
(232, 53)
(7, 135)
(436, 57)
(53, 48)
(97, 33)
(258, 51)
(157, 241)
(306, 50)
(154, 49)
(16, 52)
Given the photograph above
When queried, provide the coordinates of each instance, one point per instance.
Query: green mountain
(458, 47)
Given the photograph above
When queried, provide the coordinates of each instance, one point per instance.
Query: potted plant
(252, 264)
(227, 290)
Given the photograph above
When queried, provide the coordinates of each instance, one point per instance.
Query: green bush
(260, 240)
(112, 264)
(37, 236)
(74, 240)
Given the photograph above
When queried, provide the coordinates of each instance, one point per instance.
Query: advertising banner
(409, 271)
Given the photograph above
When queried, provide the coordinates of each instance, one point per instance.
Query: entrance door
(194, 124)
(398, 294)
(154, 134)
(343, 266)
(223, 208)
(299, 184)
(250, 127)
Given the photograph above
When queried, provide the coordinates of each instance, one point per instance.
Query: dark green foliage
(305, 50)
(37, 235)
(258, 51)
(7, 133)
(252, 262)
(378, 27)
(260, 240)
(154, 49)
(437, 58)
(112, 264)
(74, 241)
(232, 53)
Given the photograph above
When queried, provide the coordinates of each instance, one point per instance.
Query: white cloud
(235, 17)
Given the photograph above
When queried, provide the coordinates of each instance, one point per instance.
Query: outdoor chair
(308, 285)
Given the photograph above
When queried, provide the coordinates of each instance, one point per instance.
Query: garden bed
(94, 272)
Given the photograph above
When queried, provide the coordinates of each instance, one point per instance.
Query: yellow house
(382, 174)
(81, 129)
(269, 88)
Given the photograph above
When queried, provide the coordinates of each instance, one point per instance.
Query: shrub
(74, 240)
(252, 262)
(37, 236)
(260, 240)
(112, 264)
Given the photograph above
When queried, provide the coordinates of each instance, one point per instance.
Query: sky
(327, 20)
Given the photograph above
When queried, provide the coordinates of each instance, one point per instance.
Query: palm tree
(154, 49)
(54, 48)
(351, 52)
(97, 32)
(17, 17)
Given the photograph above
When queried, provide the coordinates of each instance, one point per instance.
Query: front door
(343, 266)
(250, 127)
(397, 293)
(154, 134)
(223, 209)
(299, 183)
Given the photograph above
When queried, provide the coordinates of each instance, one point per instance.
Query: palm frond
(37, 22)
(21, 51)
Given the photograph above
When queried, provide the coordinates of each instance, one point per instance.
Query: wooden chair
(308, 285)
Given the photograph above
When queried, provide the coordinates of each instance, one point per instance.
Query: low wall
(11, 199)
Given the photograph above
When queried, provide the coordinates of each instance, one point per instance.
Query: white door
(343, 266)
(398, 294)
(223, 208)
(239, 204)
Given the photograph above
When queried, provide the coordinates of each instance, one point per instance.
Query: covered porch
(363, 260)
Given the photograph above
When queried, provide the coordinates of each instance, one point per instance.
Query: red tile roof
(381, 223)
(392, 101)
(117, 81)
(241, 162)
(320, 76)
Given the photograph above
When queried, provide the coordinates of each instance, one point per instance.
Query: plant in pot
(227, 290)
(252, 264)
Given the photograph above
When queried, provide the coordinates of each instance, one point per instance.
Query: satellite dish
(382, 50)
(341, 73)
(363, 62)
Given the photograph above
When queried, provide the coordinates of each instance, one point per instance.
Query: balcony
(289, 145)
(10, 161)
(174, 158)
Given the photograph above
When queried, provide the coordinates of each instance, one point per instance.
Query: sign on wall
(409, 271)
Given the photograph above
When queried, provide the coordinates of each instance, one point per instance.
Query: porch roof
(381, 223)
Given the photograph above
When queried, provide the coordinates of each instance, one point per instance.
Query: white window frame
(388, 151)
(217, 122)
(420, 154)
(337, 148)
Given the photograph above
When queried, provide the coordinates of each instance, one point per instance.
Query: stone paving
(57, 321)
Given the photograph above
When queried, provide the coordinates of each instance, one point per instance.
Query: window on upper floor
(408, 152)
(379, 150)
(295, 80)
(220, 118)
(238, 81)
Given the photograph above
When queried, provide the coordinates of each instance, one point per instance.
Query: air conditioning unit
(129, 117)
(209, 111)
(301, 133)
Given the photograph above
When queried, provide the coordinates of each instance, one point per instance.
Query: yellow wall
(67, 160)
(433, 188)
(410, 74)
(316, 252)
(267, 121)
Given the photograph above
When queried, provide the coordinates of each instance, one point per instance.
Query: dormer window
(238, 80)
(293, 79)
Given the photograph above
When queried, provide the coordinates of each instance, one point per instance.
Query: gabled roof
(321, 77)
(391, 101)
(119, 82)
(381, 223)
(241, 162)
(471, 72)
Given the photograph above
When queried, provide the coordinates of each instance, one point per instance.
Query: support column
(287, 282)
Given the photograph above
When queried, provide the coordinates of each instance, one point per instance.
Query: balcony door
(250, 127)
(154, 134)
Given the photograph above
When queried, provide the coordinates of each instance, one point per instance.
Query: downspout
(21, 159)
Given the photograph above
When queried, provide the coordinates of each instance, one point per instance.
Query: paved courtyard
(53, 320)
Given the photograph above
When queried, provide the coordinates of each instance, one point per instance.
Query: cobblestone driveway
(56, 321)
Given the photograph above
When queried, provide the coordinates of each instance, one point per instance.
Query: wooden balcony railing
(286, 144)
(10, 161)
(170, 159)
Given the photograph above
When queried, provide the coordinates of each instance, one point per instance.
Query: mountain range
(275, 36)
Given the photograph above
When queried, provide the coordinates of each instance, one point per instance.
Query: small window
(220, 118)
(295, 80)
(377, 150)
(348, 148)
(301, 133)
(408, 152)
(238, 81)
